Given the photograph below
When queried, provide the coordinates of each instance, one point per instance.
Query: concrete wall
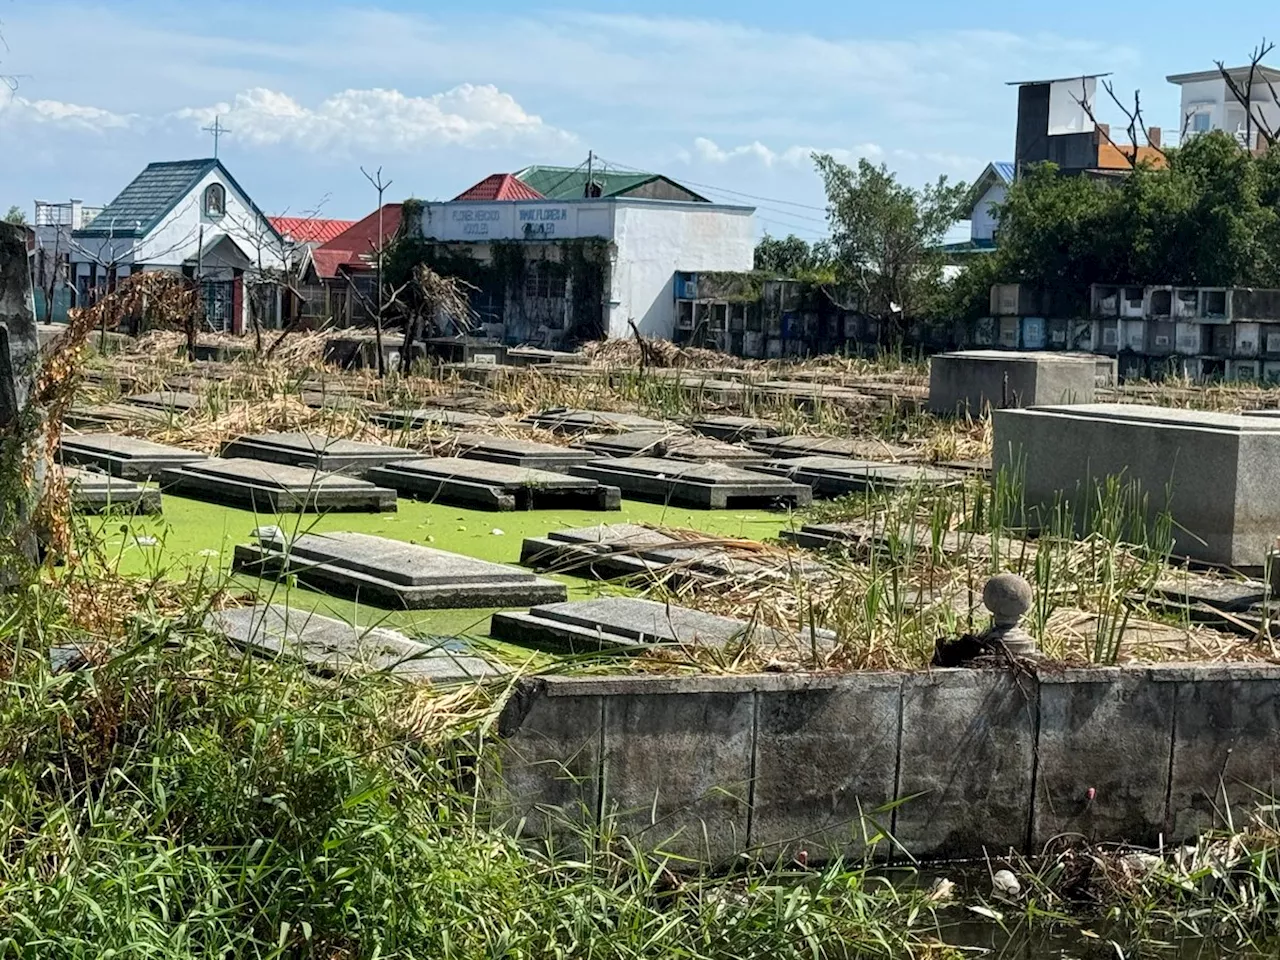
(1225, 112)
(951, 763)
(973, 381)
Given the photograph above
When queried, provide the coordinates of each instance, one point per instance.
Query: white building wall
(656, 240)
(982, 225)
(1225, 113)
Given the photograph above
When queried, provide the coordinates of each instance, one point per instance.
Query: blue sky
(731, 97)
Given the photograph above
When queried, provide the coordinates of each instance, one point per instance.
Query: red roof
(358, 241)
(500, 186)
(310, 229)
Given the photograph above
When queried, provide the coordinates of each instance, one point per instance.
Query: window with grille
(545, 279)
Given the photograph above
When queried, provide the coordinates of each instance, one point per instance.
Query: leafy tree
(16, 216)
(792, 257)
(886, 235)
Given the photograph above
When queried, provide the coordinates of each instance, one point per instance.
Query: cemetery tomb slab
(106, 415)
(795, 446)
(130, 458)
(176, 401)
(519, 453)
(565, 420)
(328, 454)
(100, 492)
(607, 551)
(628, 624)
(735, 429)
(675, 446)
(275, 488)
(421, 417)
(335, 646)
(1213, 472)
(714, 486)
(493, 486)
(973, 381)
(391, 573)
(839, 476)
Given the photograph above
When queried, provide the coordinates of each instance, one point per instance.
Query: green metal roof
(148, 199)
(570, 183)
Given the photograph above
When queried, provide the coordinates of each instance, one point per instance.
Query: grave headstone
(100, 492)
(275, 488)
(735, 429)
(518, 453)
(566, 420)
(131, 458)
(607, 551)
(394, 574)
(353, 458)
(854, 449)
(420, 417)
(675, 446)
(493, 486)
(714, 486)
(631, 625)
(839, 476)
(335, 646)
(1212, 472)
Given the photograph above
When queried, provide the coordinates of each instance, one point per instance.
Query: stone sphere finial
(1008, 597)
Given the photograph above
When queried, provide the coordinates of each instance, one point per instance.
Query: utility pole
(376, 180)
(591, 156)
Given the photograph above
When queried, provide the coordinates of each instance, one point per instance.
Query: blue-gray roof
(1004, 169)
(148, 199)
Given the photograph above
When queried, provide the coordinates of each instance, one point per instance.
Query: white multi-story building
(1208, 103)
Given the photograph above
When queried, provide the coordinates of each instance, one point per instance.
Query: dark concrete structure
(565, 420)
(421, 417)
(707, 485)
(493, 486)
(840, 476)
(391, 573)
(801, 446)
(130, 458)
(674, 446)
(275, 488)
(734, 429)
(351, 458)
(169, 401)
(518, 453)
(102, 493)
(971, 382)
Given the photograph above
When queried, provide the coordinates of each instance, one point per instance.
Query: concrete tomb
(782, 447)
(275, 488)
(566, 420)
(676, 446)
(100, 492)
(429, 417)
(1215, 473)
(709, 485)
(971, 381)
(838, 476)
(493, 486)
(856, 535)
(171, 401)
(615, 550)
(335, 646)
(353, 458)
(627, 624)
(735, 429)
(104, 416)
(518, 453)
(391, 573)
(131, 458)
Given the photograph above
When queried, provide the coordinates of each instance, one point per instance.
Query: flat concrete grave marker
(420, 417)
(876, 450)
(173, 401)
(631, 625)
(275, 488)
(675, 446)
(130, 458)
(713, 486)
(566, 420)
(101, 492)
(903, 538)
(353, 458)
(607, 551)
(735, 429)
(972, 381)
(395, 574)
(518, 453)
(1214, 473)
(335, 646)
(838, 476)
(104, 416)
(493, 486)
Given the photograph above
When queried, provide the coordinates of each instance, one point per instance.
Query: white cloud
(68, 116)
(795, 156)
(467, 115)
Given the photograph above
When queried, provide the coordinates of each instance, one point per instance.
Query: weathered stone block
(130, 458)
(840, 476)
(707, 485)
(966, 763)
(519, 453)
(973, 381)
(275, 488)
(493, 486)
(352, 458)
(101, 492)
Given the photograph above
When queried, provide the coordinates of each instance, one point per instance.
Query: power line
(713, 187)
